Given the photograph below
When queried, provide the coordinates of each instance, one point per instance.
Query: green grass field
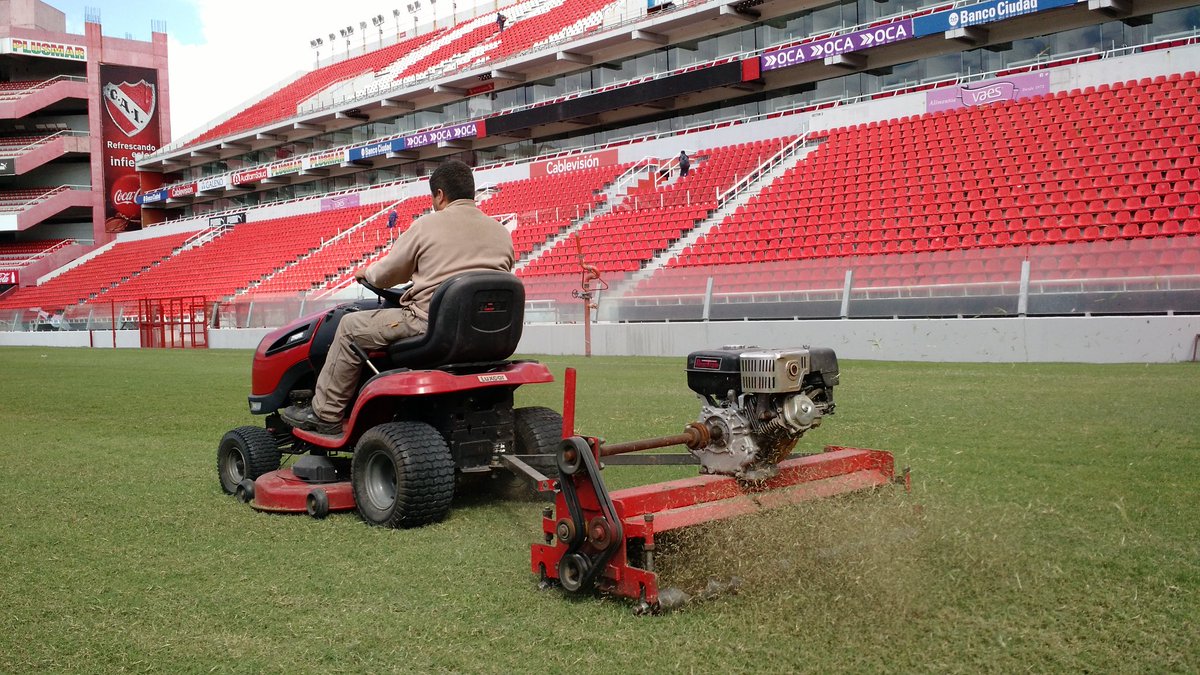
(1054, 525)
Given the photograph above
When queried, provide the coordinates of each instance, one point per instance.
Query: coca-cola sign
(124, 197)
(9, 277)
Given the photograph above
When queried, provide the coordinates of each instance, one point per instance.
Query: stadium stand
(125, 260)
(14, 146)
(284, 102)
(17, 89)
(1109, 162)
(546, 206)
(467, 44)
(238, 257)
(24, 198)
(655, 214)
(330, 265)
(1097, 182)
(1106, 164)
(21, 252)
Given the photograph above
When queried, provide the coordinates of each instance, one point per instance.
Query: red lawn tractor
(431, 411)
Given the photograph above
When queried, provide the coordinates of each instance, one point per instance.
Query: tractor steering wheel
(388, 296)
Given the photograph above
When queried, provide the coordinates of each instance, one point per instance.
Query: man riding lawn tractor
(456, 238)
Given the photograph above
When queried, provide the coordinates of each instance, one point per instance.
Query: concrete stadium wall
(1152, 339)
(1143, 339)
(101, 339)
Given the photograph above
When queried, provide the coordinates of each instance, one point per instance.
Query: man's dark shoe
(304, 418)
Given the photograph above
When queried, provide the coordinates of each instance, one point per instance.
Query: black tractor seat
(474, 316)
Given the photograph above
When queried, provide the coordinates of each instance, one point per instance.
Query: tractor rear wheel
(402, 475)
(245, 454)
(538, 431)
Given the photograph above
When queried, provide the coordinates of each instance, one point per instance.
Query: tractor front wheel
(402, 475)
(245, 454)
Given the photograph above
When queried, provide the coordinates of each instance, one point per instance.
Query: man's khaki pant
(371, 330)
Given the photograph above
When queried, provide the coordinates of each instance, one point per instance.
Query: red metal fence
(174, 323)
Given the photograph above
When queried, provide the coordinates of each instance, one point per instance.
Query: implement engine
(756, 403)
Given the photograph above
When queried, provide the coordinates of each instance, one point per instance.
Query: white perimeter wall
(1154, 339)
(1158, 339)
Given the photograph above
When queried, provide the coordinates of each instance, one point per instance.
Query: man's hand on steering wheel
(389, 296)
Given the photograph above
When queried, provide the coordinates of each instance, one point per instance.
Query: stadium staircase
(650, 218)
(563, 201)
(732, 201)
(534, 241)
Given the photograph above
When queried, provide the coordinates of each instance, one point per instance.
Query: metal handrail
(761, 170)
(44, 140)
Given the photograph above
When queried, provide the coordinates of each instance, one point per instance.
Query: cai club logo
(130, 106)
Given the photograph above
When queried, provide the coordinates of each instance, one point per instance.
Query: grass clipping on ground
(861, 552)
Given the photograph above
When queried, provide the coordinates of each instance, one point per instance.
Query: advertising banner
(227, 219)
(285, 167)
(153, 197)
(52, 50)
(374, 150)
(1010, 88)
(560, 165)
(184, 190)
(838, 44)
(324, 159)
(248, 176)
(342, 202)
(984, 12)
(130, 129)
(212, 183)
(8, 166)
(8, 277)
(467, 130)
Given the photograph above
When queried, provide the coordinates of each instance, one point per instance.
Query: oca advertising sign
(454, 133)
(838, 44)
(129, 129)
(9, 277)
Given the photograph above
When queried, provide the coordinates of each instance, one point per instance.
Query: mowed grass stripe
(1053, 526)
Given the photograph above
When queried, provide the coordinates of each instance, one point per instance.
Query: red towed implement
(601, 540)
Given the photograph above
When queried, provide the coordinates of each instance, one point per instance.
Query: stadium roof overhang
(652, 32)
(626, 103)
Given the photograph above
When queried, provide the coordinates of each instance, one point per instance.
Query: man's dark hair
(454, 179)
